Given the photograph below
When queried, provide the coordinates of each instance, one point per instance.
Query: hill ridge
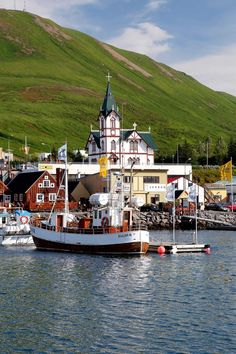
(53, 80)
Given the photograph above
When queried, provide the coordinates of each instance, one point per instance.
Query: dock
(172, 248)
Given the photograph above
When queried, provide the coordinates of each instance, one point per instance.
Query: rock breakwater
(205, 219)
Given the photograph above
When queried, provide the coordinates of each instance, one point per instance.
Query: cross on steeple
(108, 76)
(135, 126)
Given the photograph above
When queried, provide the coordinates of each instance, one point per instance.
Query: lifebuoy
(24, 219)
(105, 221)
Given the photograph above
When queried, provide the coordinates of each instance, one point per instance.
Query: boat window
(100, 214)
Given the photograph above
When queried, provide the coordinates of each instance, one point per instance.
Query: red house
(37, 191)
(5, 195)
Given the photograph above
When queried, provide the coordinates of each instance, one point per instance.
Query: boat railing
(97, 230)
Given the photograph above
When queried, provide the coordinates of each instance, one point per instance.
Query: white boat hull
(125, 242)
(17, 240)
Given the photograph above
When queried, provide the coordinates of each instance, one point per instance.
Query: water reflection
(58, 302)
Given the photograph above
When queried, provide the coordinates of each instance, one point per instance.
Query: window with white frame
(52, 197)
(39, 197)
(113, 145)
(133, 146)
(7, 198)
(15, 197)
(113, 123)
(21, 197)
(113, 126)
(46, 183)
(102, 145)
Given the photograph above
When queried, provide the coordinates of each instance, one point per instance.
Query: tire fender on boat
(105, 221)
(24, 219)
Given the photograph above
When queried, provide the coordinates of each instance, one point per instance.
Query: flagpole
(231, 180)
(196, 195)
(174, 216)
(66, 183)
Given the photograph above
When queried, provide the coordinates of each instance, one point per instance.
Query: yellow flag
(226, 171)
(103, 166)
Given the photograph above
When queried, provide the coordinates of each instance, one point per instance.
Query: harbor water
(54, 302)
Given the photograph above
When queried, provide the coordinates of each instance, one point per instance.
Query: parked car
(216, 207)
(149, 207)
(230, 207)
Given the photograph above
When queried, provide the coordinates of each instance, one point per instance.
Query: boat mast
(66, 182)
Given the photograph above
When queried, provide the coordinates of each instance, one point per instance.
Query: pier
(172, 248)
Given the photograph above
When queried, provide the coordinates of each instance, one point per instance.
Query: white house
(185, 185)
(121, 146)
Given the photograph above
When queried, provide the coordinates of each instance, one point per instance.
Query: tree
(232, 149)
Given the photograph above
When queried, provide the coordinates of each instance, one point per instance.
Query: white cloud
(155, 4)
(144, 38)
(217, 71)
(45, 8)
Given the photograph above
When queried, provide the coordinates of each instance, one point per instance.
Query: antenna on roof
(24, 8)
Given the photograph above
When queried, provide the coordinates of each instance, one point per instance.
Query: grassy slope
(52, 87)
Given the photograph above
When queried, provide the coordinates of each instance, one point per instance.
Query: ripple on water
(55, 302)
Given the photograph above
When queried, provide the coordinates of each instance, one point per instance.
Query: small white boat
(14, 228)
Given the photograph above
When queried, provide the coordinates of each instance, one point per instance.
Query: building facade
(122, 147)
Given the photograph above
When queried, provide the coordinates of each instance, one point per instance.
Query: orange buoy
(161, 250)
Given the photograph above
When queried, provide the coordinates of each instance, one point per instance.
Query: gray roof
(146, 136)
(109, 103)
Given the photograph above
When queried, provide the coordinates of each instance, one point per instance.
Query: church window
(113, 123)
(102, 123)
(133, 146)
(113, 145)
(93, 146)
(113, 126)
(102, 145)
(130, 160)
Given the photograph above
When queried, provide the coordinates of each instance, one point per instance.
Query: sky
(194, 36)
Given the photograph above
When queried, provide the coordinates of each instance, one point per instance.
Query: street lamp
(50, 150)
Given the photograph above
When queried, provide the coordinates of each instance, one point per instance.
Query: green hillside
(53, 80)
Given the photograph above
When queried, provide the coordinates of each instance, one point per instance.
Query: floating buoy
(207, 250)
(161, 250)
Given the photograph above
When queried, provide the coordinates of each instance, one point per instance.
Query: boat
(14, 227)
(109, 230)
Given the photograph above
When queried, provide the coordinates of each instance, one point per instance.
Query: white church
(122, 147)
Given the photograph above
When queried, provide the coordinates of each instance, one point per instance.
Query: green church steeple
(109, 103)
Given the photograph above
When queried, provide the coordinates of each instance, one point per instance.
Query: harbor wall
(205, 220)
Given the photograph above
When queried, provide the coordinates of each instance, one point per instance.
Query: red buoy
(207, 250)
(161, 250)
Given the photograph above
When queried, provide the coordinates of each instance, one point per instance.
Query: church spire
(109, 103)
